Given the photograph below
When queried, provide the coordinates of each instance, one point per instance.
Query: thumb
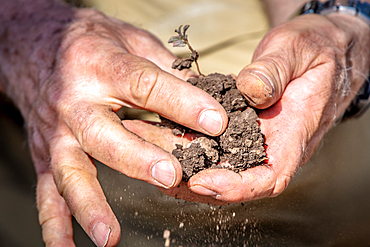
(263, 82)
(284, 54)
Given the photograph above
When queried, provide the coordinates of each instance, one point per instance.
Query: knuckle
(143, 39)
(40, 132)
(140, 78)
(280, 185)
(330, 55)
(85, 124)
(38, 148)
(70, 178)
(145, 85)
(89, 133)
(65, 177)
(92, 126)
(75, 50)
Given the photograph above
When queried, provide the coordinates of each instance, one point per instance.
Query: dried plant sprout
(181, 40)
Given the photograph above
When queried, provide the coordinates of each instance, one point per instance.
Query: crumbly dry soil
(240, 147)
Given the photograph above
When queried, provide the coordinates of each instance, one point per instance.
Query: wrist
(358, 64)
(29, 41)
(354, 23)
(353, 86)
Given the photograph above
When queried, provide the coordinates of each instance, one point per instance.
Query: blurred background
(326, 204)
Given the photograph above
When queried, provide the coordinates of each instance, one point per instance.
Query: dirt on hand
(240, 147)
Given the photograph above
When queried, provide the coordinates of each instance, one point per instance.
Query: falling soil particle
(240, 147)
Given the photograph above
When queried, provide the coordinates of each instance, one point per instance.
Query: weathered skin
(68, 70)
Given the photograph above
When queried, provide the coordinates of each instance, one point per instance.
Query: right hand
(304, 74)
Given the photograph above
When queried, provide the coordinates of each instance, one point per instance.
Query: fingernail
(164, 173)
(100, 233)
(211, 121)
(263, 79)
(203, 191)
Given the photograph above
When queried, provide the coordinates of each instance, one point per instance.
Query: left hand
(304, 74)
(101, 64)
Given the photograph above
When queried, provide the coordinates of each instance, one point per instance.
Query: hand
(103, 64)
(304, 74)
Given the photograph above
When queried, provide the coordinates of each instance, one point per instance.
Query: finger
(101, 134)
(164, 138)
(54, 215)
(142, 84)
(133, 81)
(284, 55)
(292, 134)
(160, 136)
(287, 144)
(286, 149)
(228, 186)
(76, 178)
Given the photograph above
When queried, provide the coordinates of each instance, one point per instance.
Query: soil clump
(240, 147)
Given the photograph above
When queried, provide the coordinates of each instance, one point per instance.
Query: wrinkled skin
(103, 64)
(305, 78)
(311, 76)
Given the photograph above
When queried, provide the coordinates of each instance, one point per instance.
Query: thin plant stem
(196, 62)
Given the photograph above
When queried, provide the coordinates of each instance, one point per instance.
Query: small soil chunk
(241, 146)
(186, 62)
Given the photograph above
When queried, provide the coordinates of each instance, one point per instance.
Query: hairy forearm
(30, 34)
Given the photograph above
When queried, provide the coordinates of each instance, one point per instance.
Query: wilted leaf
(173, 39)
(182, 63)
(179, 43)
(179, 30)
(186, 28)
